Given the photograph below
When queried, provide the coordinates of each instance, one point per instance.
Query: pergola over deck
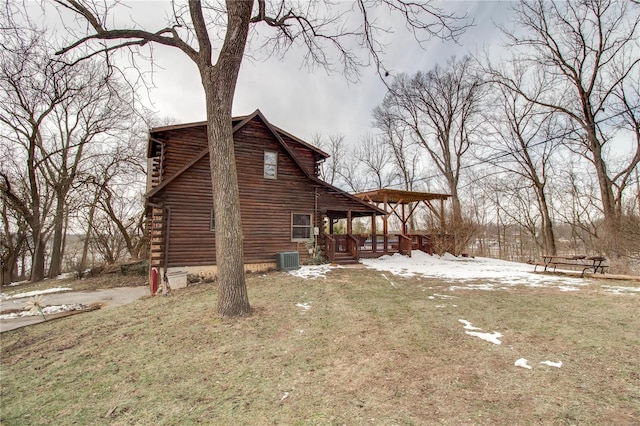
(403, 204)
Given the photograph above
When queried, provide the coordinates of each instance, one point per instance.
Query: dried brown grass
(369, 350)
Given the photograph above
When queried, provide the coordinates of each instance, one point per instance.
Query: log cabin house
(284, 204)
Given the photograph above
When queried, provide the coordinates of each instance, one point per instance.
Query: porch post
(385, 226)
(404, 220)
(348, 221)
(330, 226)
(373, 233)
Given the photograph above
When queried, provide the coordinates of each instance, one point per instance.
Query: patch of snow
(35, 293)
(489, 337)
(304, 306)
(311, 271)
(620, 289)
(568, 288)
(522, 363)
(65, 276)
(552, 364)
(468, 326)
(47, 310)
(495, 274)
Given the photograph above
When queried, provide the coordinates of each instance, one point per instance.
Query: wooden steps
(344, 259)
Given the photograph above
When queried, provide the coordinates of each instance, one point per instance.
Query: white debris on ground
(47, 310)
(391, 282)
(522, 363)
(35, 293)
(311, 271)
(489, 337)
(304, 306)
(468, 326)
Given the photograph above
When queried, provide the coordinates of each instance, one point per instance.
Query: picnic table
(595, 263)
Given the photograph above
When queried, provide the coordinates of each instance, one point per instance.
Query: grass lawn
(354, 348)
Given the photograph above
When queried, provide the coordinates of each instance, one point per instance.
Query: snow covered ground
(466, 273)
(34, 293)
(47, 310)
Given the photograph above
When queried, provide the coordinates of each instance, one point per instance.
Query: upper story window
(270, 165)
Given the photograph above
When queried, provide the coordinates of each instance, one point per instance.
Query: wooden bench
(595, 263)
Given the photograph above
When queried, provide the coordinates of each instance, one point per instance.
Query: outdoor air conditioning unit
(288, 260)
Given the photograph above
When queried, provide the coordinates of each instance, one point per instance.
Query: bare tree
(335, 146)
(312, 24)
(92, 110)
(52, 113)
(374, 158)
(28, 97)
(584, 51)
(523, 141)
(13, 240)
(114, 188)
(439, 109)
(404, 153)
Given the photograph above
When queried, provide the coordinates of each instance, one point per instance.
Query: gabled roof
(234, 121)
(238, 124)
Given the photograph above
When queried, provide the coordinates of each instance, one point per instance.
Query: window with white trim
(270, 165)
(301, 227)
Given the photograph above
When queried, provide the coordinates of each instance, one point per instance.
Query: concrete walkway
(106, 298)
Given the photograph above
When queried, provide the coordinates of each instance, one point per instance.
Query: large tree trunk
(610, 236)
(56, 247)
(37, 265)
(87, 239)
(548, 235)
(219, 83)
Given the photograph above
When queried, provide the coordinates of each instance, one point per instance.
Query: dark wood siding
(266, 204)
(306, 157)
(181, 147)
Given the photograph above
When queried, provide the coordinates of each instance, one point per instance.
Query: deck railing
(330, 247)
(404, 245)
(353, 246)
(374, 245)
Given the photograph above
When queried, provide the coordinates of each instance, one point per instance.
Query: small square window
(270, 165)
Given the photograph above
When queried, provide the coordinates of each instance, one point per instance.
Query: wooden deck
(359, 246)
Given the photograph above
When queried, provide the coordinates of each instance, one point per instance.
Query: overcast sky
(303, 101)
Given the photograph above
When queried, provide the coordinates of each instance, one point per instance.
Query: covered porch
(390, 205)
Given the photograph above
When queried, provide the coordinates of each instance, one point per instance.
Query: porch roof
(398, 196)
